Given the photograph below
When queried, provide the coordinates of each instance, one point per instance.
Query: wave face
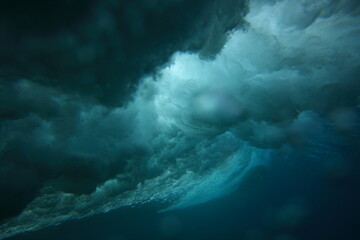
(193, 127)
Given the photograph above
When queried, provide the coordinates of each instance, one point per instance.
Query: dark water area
(295, 197)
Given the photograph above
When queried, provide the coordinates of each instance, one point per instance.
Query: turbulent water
(248, 81)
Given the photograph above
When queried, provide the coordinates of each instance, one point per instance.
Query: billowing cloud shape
(100, 49)
(193, 127)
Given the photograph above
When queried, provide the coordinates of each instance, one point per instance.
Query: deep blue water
(295, 197)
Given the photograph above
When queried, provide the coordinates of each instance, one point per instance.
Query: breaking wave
(194, 127)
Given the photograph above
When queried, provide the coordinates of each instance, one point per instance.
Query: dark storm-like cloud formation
(64, 65)
(100, 49)
(71, 146)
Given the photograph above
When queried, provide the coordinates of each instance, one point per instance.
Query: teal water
(174, 119)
